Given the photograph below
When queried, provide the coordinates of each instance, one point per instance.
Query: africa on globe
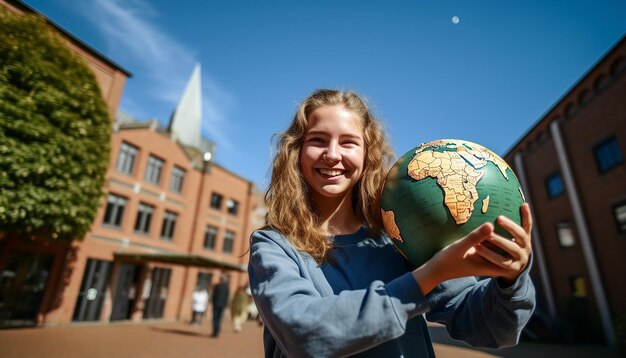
(440, 191)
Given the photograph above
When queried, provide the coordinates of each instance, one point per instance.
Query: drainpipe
(245, 233)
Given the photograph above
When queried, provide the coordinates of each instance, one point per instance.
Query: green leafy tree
(54, 133)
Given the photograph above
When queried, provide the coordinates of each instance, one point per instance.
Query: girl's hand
(518, 249)
(469, 257)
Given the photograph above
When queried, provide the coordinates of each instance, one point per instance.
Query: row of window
(608, 156)
(126, 165)
(210, 238)
(114, 214)
(232, 205)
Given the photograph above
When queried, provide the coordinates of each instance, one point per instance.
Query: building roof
(126, 122)
(27, 8)
(546, 118)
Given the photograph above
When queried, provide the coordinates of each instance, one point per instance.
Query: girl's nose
(332, 154)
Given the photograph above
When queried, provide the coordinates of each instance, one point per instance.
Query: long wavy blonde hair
(290, 209)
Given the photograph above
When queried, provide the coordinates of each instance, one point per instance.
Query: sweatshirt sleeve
(481, 312)
(306, 324)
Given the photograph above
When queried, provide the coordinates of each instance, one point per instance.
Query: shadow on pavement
(180, 331)
(439, 334)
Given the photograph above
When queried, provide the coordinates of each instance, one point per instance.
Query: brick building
(170, 220)
(571, 165)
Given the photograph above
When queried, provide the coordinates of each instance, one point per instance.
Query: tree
(54, 133)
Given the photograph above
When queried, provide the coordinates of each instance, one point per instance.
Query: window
(210, 235)
(554, 184)
(153, 171)
(229, 239)
(565, 233)
(126, 159)
(203, 281)
(169, 224)
(144, 217)
(578, 286)
(232, 206)
(178, 177)
(115, 210)
(608, 155)
(619, 212)
(216, 201)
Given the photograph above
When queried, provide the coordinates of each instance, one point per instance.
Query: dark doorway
(23, 282)
(203, 281)
(92, 290)
(155, 303)
(125, 293)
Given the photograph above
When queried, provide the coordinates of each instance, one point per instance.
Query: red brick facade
(590, 117)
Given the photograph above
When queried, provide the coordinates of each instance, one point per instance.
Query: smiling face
(333, 153)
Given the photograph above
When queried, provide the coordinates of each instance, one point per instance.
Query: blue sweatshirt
(365, 302)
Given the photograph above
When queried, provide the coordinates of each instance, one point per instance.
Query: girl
(329, 283)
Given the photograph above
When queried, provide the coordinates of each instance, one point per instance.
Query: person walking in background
(239, 308)
(200, 301)
(219, 301)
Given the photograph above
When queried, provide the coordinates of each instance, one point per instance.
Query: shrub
(54, 133)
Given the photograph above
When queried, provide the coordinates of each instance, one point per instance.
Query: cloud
(161, 64)
(127, 28)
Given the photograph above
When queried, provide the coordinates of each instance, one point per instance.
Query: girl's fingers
(479, 234)
(519, 234)
(503, 266)
(511, 248)
(527, 219)
(493, 257)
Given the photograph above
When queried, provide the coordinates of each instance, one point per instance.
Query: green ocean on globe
(440, 191)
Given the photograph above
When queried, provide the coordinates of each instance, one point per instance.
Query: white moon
(455, 20)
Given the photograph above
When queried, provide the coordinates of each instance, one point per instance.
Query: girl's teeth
(330, 172)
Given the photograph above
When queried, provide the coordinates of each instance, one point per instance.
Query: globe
(440, 191)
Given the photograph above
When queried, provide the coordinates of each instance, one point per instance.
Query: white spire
(185, 125)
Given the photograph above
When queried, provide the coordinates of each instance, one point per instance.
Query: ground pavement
(174, 339)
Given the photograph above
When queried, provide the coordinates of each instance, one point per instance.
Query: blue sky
(487, 78)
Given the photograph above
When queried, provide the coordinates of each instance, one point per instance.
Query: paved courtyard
(174, 339)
